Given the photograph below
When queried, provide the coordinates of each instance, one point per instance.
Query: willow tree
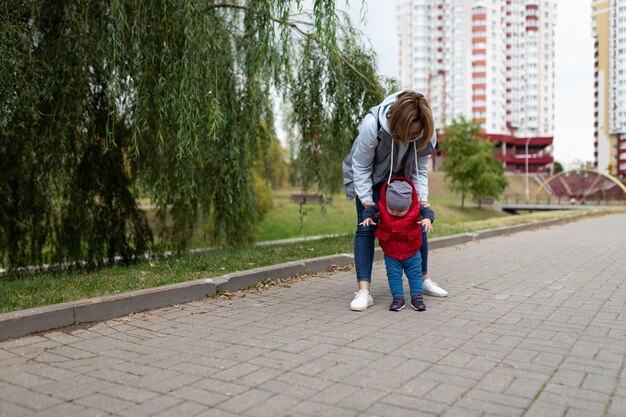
(102, 98)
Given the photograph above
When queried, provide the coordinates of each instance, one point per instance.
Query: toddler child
(399, 235)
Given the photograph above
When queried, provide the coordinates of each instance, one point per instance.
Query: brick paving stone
(446, 393)
(379, 380)
(236, 372)
(295, 391)
(591, 366)
(220, 387)
(461, 412)
(387, 410)
(315, 366)
(518, 370)
(305, 380)
(572, 401)
(72, 394)
(425, 405)
(92, 412)
(172, 384)
(411, 367)
(490, 407)
(26, 379)
(258, 377)
(340, 372)
(104, 402)
(12, 410)
(185, 409)
(360, 400)
(568, 377)
(587, 345)
(542, 408)
(24, 341)
(27, 398)
(312, 408)
(574, 412)
(580, 393)
(245, 401)
(151, 407)
(495, 383)
(419, 386)
(61, 410)
(599, 383)
(501, 399)
(334, 393)
(215, 412)
(199, 396)
(522, 387)
(120, 378)
(277, 405)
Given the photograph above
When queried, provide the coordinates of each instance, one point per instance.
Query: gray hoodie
(368, 162)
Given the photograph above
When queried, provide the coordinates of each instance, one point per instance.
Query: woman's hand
(367, 222)
(368, 204)
(427, 225)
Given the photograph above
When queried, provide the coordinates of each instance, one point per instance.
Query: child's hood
(383, 191)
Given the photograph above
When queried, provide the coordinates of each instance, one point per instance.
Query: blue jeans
(412, 267)
(364, 243)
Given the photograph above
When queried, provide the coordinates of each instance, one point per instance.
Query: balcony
(520, 159)
(535, 142)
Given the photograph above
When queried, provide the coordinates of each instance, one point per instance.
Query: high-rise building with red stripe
(491, 61)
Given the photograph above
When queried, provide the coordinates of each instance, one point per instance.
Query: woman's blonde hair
(411, 107)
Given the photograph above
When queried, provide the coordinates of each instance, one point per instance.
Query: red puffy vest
(399, 237)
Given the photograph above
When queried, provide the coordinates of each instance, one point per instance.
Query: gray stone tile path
(535, 325)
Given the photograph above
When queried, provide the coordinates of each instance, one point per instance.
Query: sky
(573, 133)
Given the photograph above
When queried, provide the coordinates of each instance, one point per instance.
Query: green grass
(44, 289)
(289, 219)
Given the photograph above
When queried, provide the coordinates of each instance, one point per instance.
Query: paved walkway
(535, 325)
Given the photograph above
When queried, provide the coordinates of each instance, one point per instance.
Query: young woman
(392, 137)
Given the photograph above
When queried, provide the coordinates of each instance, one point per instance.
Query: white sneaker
(361, 301)
(430, 287)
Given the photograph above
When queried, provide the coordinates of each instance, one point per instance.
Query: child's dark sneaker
(417, 302)
(397, 304)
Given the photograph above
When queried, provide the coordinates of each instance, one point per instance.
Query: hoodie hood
(384, 108)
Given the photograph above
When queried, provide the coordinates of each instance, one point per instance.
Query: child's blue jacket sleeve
(370, 211)
(427, 213)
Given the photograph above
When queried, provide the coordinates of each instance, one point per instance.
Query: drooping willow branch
(294, 25)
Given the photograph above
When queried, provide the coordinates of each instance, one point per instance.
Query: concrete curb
(23, 322)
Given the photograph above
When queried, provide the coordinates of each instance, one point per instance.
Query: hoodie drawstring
(391, 167)
(417, 172)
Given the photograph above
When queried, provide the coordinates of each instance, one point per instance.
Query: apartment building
(609, 32)
(491, 61)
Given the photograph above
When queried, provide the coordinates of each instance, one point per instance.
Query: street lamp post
(526, 160)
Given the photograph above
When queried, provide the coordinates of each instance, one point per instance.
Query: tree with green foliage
(558, 167)
(469, 165)
(100, 98)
